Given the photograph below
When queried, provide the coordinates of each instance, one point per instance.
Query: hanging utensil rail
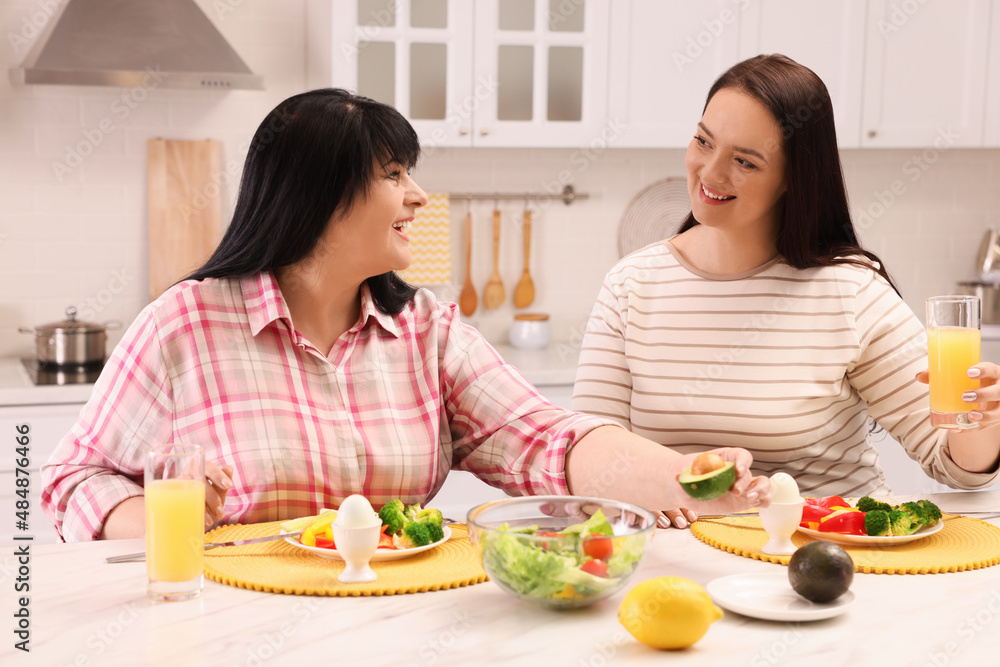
(568, 196)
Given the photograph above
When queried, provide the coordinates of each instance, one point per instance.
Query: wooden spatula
(494, 294)
(468, 299)
(524, 292)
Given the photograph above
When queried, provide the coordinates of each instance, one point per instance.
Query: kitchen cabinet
(992, 126)
(925, 73)
(489, 73)
(900, 74)
(663, 58)
(835, 53)
(47, 424)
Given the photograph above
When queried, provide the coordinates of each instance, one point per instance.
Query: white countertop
(16, 388)
(552, 365)
(86, 612)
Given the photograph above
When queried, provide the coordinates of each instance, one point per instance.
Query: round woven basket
(656, 213)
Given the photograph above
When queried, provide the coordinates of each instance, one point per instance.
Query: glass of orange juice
(953, 344)
(175, 521)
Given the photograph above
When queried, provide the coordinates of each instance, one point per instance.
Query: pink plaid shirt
(399, 401)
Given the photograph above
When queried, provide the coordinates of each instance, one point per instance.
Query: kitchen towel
(430, 243)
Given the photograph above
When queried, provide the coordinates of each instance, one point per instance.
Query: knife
(141, 556)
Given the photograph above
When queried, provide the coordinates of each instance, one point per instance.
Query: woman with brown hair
(308, 370)
(764, 324)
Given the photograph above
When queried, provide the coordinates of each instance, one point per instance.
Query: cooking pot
(989, 297)
(70, 342)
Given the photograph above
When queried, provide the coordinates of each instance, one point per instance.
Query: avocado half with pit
(710, 485)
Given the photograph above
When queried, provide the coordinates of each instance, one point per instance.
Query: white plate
(869, 541)
(770, 597)
(380, 555)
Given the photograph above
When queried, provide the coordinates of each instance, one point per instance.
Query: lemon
(668, 612)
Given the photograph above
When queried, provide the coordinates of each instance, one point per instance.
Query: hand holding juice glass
(953, 346)
(175, 520)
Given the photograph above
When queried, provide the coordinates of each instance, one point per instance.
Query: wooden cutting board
(185, 210)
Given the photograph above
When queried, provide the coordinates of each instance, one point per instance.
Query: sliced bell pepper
(324, 543)
(828, 501)
(813, 513)
(845, 522)
(385, 540)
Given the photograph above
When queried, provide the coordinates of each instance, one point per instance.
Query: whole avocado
(820, 571)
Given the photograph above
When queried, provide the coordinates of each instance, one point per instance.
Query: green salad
(584, 560)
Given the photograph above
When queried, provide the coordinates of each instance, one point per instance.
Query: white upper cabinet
(992, 137)
(664, 57)
(827, 37)
(484, 73)
(925, 73)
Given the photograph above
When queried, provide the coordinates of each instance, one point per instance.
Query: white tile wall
(79, 237)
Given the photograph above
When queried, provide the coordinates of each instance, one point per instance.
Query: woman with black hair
(297, 357)
(764, 324)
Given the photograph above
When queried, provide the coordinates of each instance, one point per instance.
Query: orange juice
(175, 529)
(951, 351)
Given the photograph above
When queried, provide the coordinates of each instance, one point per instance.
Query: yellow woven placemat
(279, 567)
(963, 544)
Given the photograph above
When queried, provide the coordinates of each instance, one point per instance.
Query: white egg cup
(357, 546)
(780, 521)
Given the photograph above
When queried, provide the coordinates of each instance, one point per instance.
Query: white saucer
(770, 597)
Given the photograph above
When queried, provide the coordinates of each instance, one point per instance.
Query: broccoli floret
(392, 515)
(918, 517)
(877, 523)
(412, 511)
(900, 523)
(931, 510)
(867, 504)
(414, 535)
(433, 520)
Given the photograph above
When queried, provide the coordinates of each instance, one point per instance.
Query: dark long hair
(312, 157)
(815, 227)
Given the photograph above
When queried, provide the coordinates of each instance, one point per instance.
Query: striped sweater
(787, 363)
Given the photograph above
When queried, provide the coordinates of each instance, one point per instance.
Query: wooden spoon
(494, 294)
(468, 300)
(524, 292)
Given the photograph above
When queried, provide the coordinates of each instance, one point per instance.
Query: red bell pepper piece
(845, 523)
(813, 513)
(385, 541)
(324, 543)
(828, 501)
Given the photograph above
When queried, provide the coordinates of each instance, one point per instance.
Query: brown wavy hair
(815, 227)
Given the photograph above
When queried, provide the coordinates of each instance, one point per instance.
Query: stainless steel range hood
(162, 43)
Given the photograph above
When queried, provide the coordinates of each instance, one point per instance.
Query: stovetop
(47, 374)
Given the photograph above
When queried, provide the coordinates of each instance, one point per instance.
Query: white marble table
(86, 612)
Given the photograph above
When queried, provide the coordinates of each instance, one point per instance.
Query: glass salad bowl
(560, 552)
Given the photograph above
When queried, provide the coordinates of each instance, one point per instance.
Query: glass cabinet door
(414, 55)
(547, 60)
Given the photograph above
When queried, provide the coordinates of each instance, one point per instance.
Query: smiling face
(736, 166)
(371, 238)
